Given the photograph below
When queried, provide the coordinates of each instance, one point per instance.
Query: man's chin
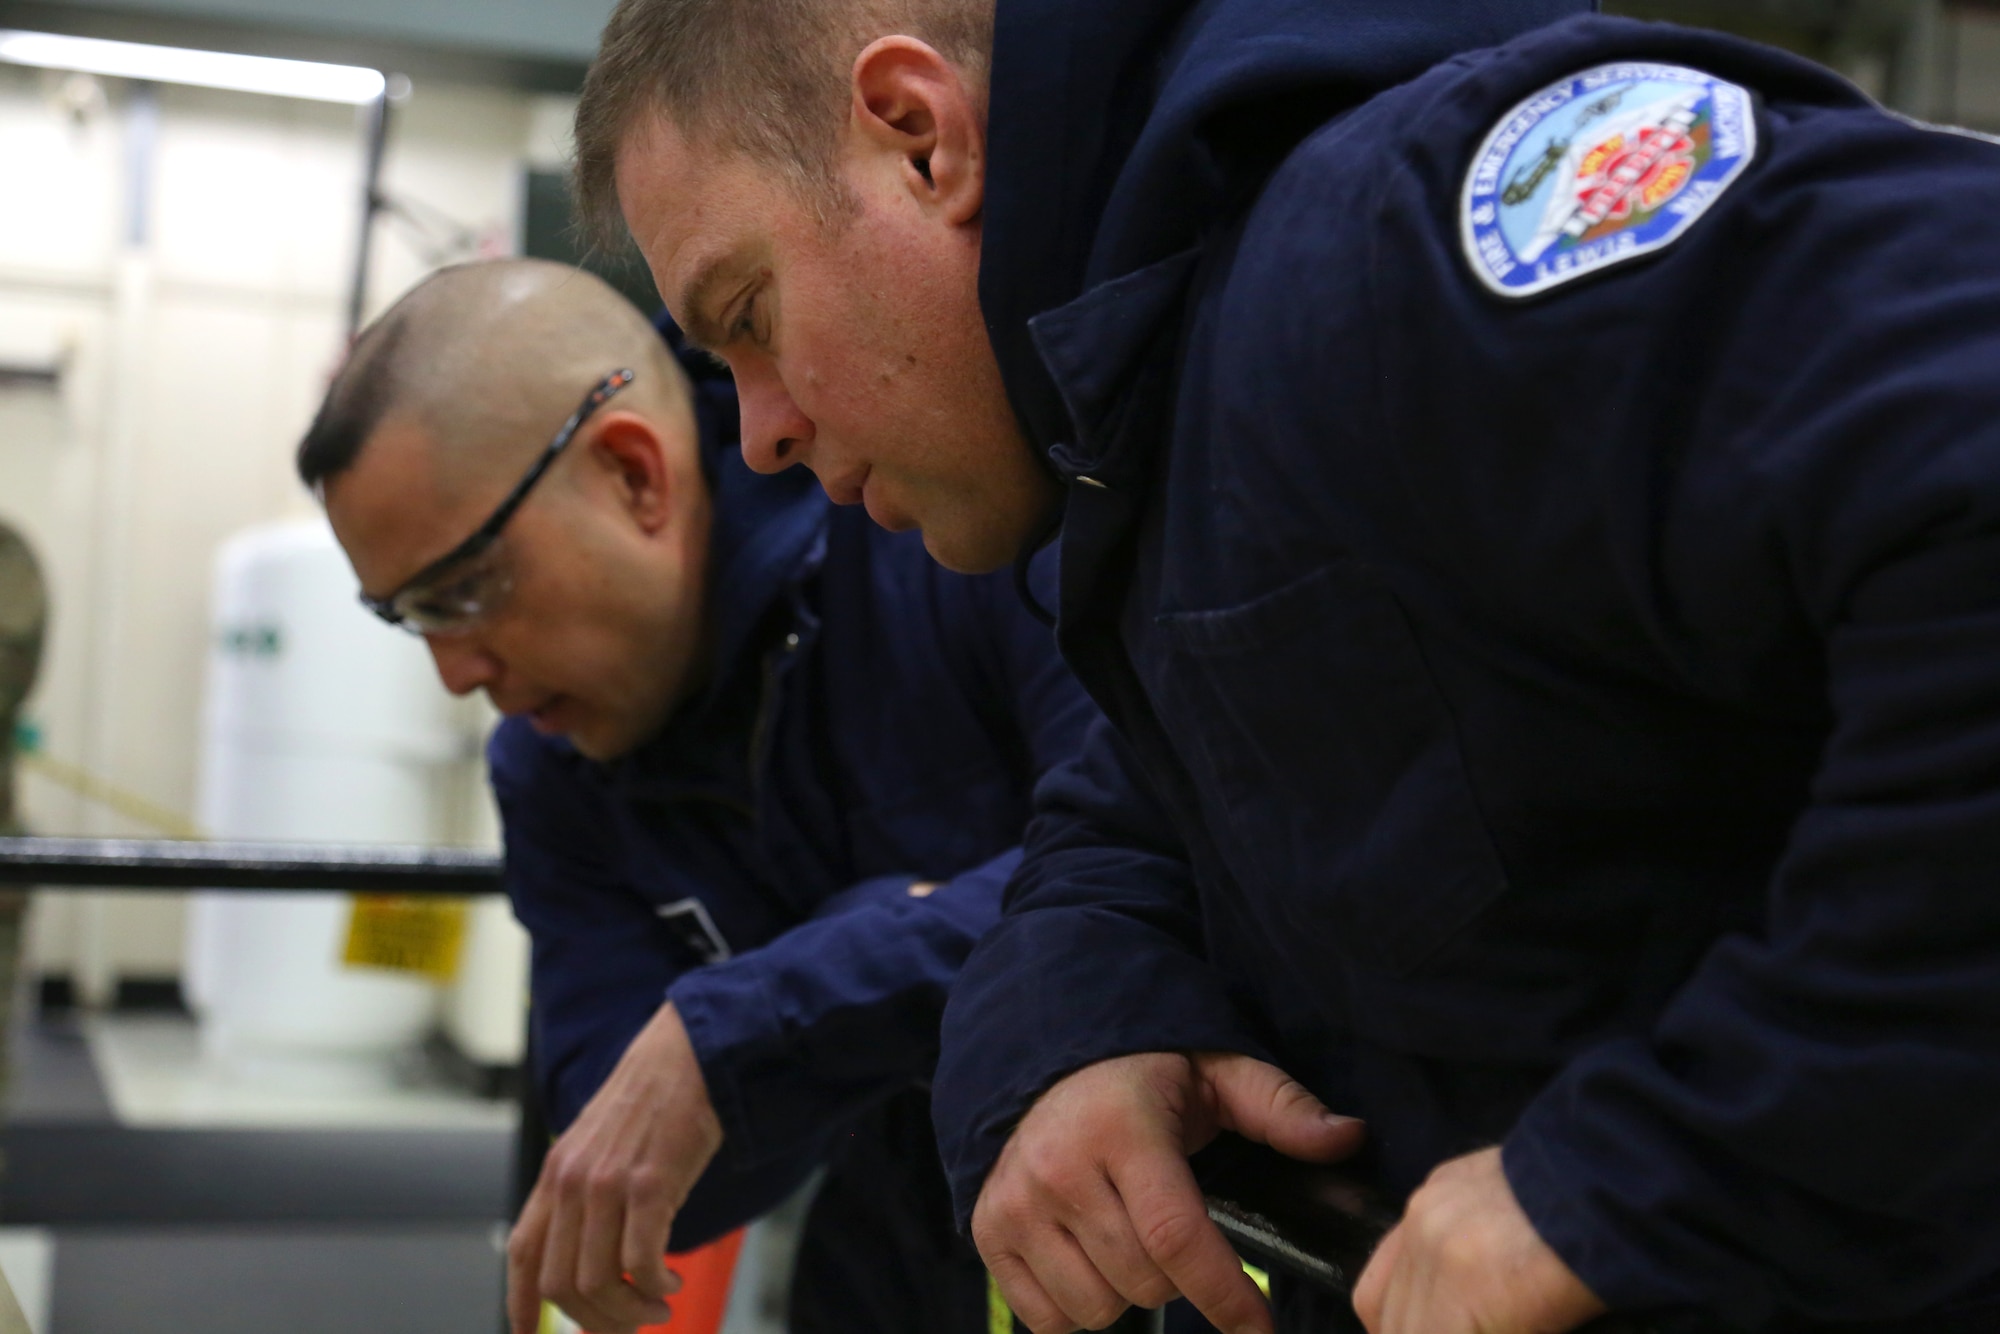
(955, 554)
(591, 742)
(993, 542)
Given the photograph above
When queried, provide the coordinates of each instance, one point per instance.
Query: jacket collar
(767, 541)
(1120, 132)
(1103, 352)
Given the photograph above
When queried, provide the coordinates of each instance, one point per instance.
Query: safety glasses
(473, 579)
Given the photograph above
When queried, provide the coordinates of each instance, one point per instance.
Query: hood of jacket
(1119, 131)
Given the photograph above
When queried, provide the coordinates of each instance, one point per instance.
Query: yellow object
(406, 934)
(999, 1319)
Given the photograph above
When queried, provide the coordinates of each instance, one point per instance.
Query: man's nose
(775, 432)
(462, 664)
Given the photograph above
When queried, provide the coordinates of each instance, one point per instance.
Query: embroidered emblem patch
(1606, 166)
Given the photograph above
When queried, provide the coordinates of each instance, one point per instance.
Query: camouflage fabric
(24, 614)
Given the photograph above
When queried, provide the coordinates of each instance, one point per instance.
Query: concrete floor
(148, 1190)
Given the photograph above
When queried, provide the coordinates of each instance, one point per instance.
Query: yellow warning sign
(406, 934)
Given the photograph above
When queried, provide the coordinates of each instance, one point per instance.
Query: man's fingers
(1025, 1297)
(560, 1235)
(1371, 1293)
(599, 1276)
(649, 1221)
(1133, 1274)
(1103, 1228)
(1087, 1300)
(1259, 1101)
(524, 1264)
(557, 1276)
(1171, 1220)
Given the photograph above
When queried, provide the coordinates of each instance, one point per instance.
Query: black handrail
(170, 864)
(1316, 1224)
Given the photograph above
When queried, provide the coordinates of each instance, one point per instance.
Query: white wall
(192, 363)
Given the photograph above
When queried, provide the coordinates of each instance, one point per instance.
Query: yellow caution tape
(406, 934)
(109, 795)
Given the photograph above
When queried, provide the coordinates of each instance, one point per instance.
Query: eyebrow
(696, 325)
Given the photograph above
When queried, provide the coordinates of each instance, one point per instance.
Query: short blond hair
(766, 78)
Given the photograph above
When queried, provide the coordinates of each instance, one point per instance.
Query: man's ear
(910, 105)
(633, 452)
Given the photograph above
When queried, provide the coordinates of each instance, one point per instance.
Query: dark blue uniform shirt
(1571, 722)
(873, 721)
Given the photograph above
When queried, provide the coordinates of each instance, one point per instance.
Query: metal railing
(1314, 1224)
(278, 868)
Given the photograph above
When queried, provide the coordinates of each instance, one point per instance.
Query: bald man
(762, 776)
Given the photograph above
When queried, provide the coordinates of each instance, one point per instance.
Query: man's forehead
(393, 508)
(694, 211)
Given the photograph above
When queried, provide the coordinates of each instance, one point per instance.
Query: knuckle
(988, 1235)
(1015, 1212)
(1170, 1237)
(1460, 1252)
(1423, 1216)
(1101, 1313)
(569, 1175)
(1044, 1160)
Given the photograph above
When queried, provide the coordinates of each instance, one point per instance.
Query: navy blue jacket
(873, 721)
(1570, 722)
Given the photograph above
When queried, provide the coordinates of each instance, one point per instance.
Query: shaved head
(586, 610)
(486, 360)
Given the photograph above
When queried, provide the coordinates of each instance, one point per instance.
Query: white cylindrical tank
(320, 724)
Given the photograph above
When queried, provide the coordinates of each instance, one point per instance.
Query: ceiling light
(206, 69)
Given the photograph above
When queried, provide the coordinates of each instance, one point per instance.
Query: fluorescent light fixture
(206, 69)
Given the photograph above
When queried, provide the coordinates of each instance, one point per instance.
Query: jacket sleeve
(844, 1009)
(1827, 1086)
(1810, 1127)
(1100, 955)
(601, 968)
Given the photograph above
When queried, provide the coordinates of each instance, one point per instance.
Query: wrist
(667, 1051)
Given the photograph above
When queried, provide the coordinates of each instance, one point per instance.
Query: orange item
(706, 1273)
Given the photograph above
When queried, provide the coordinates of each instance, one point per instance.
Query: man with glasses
(762, 774)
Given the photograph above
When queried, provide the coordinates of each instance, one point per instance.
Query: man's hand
(1092, 1206)
(1466, 1260)
(592, 1236)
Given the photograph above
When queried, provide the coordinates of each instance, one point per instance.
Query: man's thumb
(1261, 1102)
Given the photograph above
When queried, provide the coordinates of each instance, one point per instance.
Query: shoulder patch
(1610, 164)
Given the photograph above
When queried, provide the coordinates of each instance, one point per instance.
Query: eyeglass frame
(488, 532)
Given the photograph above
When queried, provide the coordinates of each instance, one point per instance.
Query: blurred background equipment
(316, 727)
(24, 616)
